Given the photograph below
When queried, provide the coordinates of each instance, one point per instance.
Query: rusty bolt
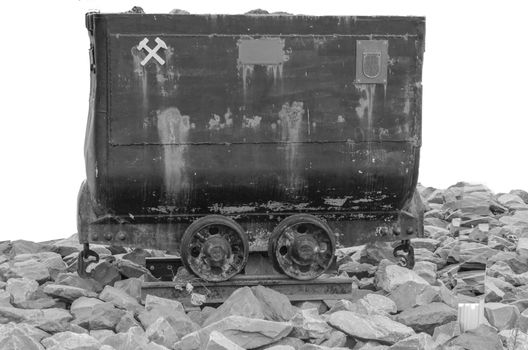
(410, 231)
(122, 236)
(396, 230)
(108, 236)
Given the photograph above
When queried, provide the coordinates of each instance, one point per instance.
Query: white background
(474, 115)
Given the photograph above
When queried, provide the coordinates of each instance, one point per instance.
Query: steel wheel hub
(216, 250)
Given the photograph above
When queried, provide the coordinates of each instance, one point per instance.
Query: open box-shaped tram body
(221, 135)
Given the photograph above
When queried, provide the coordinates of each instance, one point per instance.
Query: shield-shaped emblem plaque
(371, 64)
(371, 61)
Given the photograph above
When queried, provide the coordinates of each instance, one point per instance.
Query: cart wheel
(215, 248)
(302, 247)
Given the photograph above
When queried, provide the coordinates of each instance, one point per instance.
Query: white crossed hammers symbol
(152, 53)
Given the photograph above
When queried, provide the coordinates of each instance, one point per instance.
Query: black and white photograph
(264, 175)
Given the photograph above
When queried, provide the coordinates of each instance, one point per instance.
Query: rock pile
(44, 304)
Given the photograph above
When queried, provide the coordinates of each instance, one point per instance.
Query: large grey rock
(493, 293)
(375, 252)
(105, 272)
(245, 332)
(501, 316)
(242, 302)
(5, 298)
(512, 201)
(410, 294)
(501, 269)
(520, 218)
(67, 292)
(447, 296)
(21, 289)
(469, 206)
(499, 243)
(71, 341)
(420, 341)
(482, 338)
(21, 246)
(154, 303)
(217, 341)
(101, 334)
(430, 244)
(425, 318)
(470, 282)
(82, 307)
(181, 323)
(466, 251)
(74, 280)
(101, 316)
(515, 262)
(126, 322)
(275, 306)
(380, 303)
(120, 299)
(369, 327)
(446, 247)
(390, 276)
(135, 339)
(335, 339)
(522, 194)
(370, 304)
(424, 255)
(52, 261)
(41, 303)
(30, 269)
(308, 324)
(67, 246)
(522, 322)
(444, 333)
(197, 316)
(21, 336)
(347, 254)
(426, 270)
(49, 320)
(500, 284)
(161, 332)
(173, 312)
(131, 286)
